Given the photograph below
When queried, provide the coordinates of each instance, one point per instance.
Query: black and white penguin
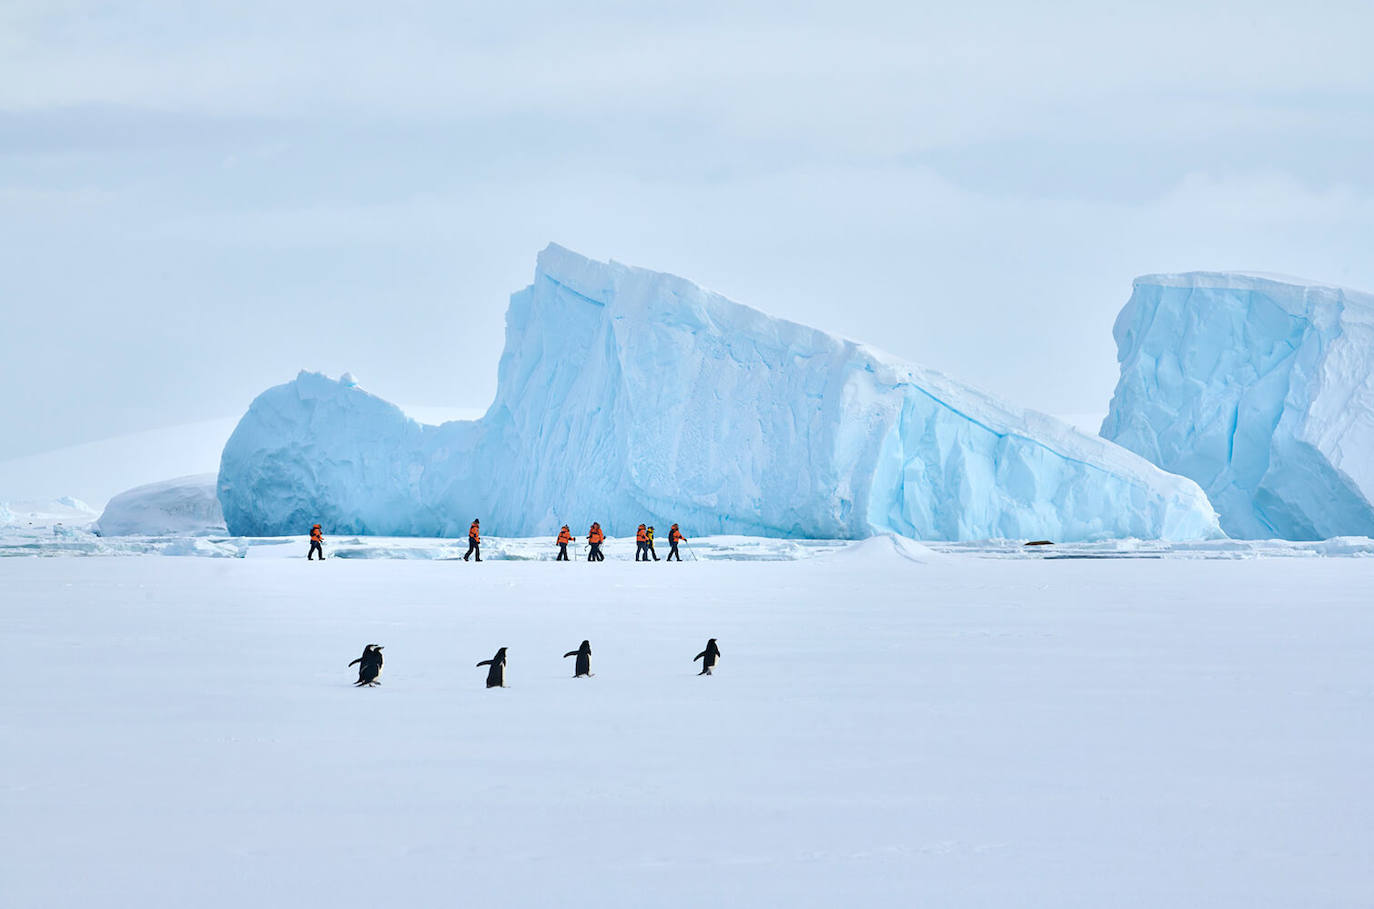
(708, 657)
(496, 675)
(369, 666)
(584, 660)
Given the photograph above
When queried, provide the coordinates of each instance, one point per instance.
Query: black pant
(562, 552)
(672, 551)
(653, 552)
(594, 554)
(315, 546)
(641, 551)
(473, 547)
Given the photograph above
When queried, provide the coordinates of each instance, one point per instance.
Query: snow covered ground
(886, 728)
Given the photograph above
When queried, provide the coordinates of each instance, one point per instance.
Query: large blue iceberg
(1259, 388)
(627, 395)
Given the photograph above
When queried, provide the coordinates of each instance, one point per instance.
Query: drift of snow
(1262, 390)
(187, 506)
(885, 548)
(625, 395)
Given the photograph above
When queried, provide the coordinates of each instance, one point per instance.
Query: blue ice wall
(626, 395)
(1260, 389)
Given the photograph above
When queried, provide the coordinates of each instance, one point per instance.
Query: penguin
(496, 675)
(369, 666)
(584, 660)
(711, 654)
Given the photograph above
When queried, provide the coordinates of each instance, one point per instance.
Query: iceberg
(1261, 389)
(627, 395)
(186, 506)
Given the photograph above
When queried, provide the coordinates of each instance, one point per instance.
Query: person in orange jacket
(594, 540)
(642, 544)
(474, 541)
(674, 537)
(564, 538)
(316, 543)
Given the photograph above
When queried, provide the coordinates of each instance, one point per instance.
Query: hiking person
(474, 541)
(674, 537)
(641, 544)
(316, 543)
(652, 551)
(594, 540)
(564, 538)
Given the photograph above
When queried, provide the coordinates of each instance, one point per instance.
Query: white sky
(197, 200)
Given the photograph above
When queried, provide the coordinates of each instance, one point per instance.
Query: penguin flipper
(570, 653)
(356, 662)
(485, 663)
(698, 656)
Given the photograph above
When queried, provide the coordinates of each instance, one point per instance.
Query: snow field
(959, 732)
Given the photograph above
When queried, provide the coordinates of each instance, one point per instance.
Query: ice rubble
(186, 506)
(1259, 388)
(47, 514)
(627, 395)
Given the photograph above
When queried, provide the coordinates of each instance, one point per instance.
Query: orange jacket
(315, 534)
(595, 535)
(472, 532)
(641, 535)
(564, 536)
(675, 536)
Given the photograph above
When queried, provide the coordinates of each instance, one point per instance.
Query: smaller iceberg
(186, 506)
(1259, 388)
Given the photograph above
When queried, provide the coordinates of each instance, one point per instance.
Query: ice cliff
(1260, 389)
(626, 395)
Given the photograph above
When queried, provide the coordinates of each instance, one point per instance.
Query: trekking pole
(691, 550)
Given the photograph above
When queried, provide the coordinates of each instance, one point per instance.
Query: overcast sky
(198, 200)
